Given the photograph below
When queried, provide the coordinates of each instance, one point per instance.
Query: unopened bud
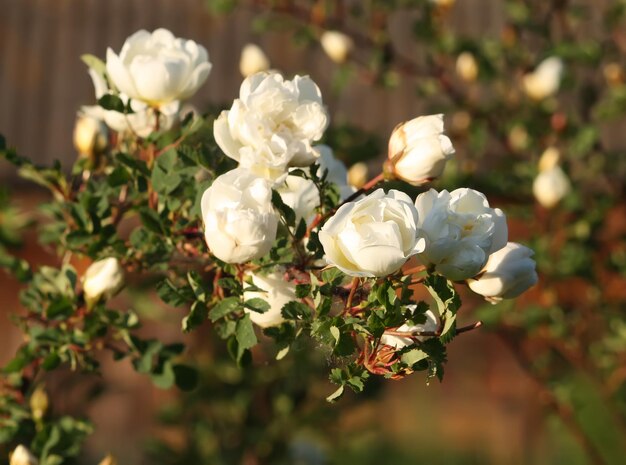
(467, 67)
(418, 149)
(549, 159)
(253, 60)
(90, 136)
(550, 186)
(108, 460)
(22, 456)
(337, 45)
(39, 403)
(461, 121)
(443, 3)
(613, 74)
(545, 80)
(357, 175)
(518, 138)
(103, 279)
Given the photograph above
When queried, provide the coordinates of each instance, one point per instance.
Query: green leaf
(111, 102)
(151, 220)
(164, 178)
(51, 361)
(60, 309)
(197, 284)
(174, 295)
(164, 377)
(333, 276)
(285, 210)
(186, 377)
(245, 336)
(448, 302)
(224, 307)
(296, 311)
(303, 290)
(196, 316)
(413, 356)
(257, 305)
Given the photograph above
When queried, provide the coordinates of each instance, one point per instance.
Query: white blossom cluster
(274, 127)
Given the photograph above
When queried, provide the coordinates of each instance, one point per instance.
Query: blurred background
(544, 382)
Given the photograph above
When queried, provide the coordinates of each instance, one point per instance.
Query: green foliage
(140, 203)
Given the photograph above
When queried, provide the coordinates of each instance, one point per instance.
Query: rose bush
(281, 242)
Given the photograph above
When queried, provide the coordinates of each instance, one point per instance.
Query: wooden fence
(43, 81)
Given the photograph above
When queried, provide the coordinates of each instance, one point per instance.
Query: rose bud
(22, 456)
(90, 136)
(103, 279)
(545, 80)
(418, 149)
(39, 403)
(253, 60)
(108, 460)
(337, 45)
(508, 273)
(551, 184)
(467, 67)
(358, 175)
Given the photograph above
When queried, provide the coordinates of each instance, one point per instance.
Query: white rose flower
(141, 122)
(276, 291)
(460, 230)
(545, 80)
(374, 236)
(358, 175)
(90, 135)
(467, 67)
(158, 68)
(22, 456)
(239, 220)
(508, 273)
(337, 45)
(253, 60)
(272, 124)
(418, 149)
(550, 186)
(103, 279)
(399, 342)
